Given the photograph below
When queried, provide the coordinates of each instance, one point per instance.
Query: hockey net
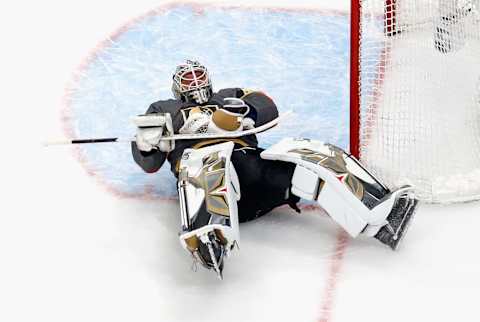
(415, 95)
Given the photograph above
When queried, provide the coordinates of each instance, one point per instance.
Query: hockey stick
(261, 128)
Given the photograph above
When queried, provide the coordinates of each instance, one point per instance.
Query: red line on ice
(336, 262)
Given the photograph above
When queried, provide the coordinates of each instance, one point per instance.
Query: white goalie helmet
(191, 83)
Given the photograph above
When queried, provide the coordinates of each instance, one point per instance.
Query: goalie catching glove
(235, 110)
(231, 117)
(150, 130)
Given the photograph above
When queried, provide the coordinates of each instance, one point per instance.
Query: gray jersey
(262, 110)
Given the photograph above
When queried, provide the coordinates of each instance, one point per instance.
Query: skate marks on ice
(281, 52)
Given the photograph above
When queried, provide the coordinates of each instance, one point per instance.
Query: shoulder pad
(247, 91)
(230, 92)
(166, 106)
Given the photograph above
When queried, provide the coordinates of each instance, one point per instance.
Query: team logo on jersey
(203, 109)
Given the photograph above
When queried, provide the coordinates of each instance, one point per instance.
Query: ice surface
(299, 58)
(72, 251)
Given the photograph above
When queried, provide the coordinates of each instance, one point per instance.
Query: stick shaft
(204, 136)
(101, 140)
(87, 141)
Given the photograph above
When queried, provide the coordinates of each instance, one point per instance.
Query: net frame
(402, 20)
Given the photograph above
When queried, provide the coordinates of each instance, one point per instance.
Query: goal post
(415, 94)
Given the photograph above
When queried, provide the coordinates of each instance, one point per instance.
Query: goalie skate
(398, 220)
(208, 247)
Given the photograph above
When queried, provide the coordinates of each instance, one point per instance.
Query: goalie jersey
(262, 110)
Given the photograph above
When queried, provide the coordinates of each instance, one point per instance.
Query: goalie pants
(264, 184)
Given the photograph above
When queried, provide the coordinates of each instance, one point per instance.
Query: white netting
(420, 95)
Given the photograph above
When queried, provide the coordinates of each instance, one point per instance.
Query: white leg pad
(208, 178)
(347, 215)
(327, 174)
(305, 183)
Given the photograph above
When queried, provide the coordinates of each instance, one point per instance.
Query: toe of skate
(399, 220)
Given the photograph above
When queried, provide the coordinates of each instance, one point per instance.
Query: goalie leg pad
(352, 196)
(308, 185)
(208, 190)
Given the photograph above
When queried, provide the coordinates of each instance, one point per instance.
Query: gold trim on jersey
(215, 141)
(210, 142)
(247, 91)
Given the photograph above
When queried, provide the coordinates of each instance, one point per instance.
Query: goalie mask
(191, 83)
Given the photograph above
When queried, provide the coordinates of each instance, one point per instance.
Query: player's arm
(148, 151)
(262, 108)
(149, 161)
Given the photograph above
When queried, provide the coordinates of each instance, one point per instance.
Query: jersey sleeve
(149, 161)
(263, 108)
(229, 92)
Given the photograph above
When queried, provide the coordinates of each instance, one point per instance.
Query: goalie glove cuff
(150, 130)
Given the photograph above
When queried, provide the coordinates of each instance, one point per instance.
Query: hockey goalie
(224, 181)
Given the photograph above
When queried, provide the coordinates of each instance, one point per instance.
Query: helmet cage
(191, 82)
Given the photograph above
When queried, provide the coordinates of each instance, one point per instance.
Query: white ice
(71, 251)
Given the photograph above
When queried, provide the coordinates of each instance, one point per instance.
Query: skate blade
(413, 206)
(216, 266)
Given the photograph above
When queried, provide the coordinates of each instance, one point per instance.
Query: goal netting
(416, 94)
